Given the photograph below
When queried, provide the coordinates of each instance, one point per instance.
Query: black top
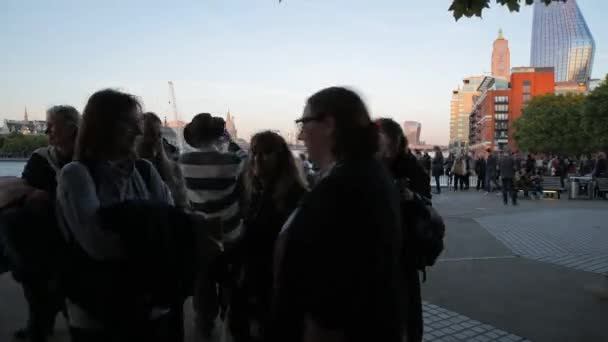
(40, 175)
(407, 166)
(255, 250)
(339, 258)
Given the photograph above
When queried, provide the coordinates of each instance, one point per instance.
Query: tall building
(412, 132)
(501, 58)
(501, 102)
(230, 126)
(561, 39)
(460, 109)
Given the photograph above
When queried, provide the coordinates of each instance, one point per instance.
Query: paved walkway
(508, 274)
(519, 270)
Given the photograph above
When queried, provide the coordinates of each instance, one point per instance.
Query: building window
(527, 94)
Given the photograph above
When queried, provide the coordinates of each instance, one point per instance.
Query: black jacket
(407, 166)
(339, 259)
(438, 165)
(480, 167)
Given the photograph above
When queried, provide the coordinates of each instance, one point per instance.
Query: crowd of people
(509, 171)
(106, 227)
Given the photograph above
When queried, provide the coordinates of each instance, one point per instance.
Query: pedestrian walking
(507, 175)
(437, 168)
(480, 170)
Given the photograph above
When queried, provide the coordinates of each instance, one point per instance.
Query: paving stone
(442, 325)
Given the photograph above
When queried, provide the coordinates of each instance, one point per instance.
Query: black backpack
(424, 229)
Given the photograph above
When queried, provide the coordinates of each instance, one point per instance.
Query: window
(527, 95)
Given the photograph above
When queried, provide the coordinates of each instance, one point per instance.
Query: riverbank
(13, 160)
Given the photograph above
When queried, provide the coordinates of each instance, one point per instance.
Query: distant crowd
(509, 171)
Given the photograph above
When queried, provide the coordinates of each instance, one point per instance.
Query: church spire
(25, 117)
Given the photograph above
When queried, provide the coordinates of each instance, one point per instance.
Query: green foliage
(552, 124)
(469, 8)
(595, 120)
(22, 145)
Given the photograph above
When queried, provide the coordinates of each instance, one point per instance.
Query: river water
(11, 168)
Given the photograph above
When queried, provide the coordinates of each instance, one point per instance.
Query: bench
(553, 185)
(602, 186)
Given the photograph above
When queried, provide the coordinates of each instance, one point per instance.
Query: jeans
(461, 180)
(481, 181)
(507, 187)
(437, 184)
(491, 178)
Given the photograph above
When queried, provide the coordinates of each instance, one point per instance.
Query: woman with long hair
(103, 302)
(273, 188)
(151, 148)
(337, 260)
(409, 175)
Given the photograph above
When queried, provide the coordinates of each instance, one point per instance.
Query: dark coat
(253, 256)
(438, 165)
(338, 259)
(507, 167)
(407, 166)
(480, 167)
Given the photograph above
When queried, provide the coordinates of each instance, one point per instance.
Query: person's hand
(37, 195)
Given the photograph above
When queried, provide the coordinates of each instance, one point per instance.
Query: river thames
(11, 168)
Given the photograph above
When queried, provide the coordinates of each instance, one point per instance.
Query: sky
(260, 59)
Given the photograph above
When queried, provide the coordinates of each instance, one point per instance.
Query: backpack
(424, 228)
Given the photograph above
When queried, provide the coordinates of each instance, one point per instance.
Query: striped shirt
(212, 186)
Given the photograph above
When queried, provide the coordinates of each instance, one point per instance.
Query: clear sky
(258, 58)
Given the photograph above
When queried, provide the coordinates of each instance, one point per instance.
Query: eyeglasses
(303, 120)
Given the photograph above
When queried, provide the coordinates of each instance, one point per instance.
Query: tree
(552, 124)
(469, 8)
(22, 145)
(595, 118)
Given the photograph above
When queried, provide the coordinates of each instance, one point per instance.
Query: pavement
(518, 273)
(507, 274)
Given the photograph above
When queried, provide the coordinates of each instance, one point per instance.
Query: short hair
(354, 133)
(204, 129)
(68, 115)
(104, 112)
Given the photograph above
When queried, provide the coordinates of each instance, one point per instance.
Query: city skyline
(260, 61)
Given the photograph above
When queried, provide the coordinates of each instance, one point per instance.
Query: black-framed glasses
(306, 119)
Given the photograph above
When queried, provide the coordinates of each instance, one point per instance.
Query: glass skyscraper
(561, 39)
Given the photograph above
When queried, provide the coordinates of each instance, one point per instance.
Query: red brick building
(501, 102)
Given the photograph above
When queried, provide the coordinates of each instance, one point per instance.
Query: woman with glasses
(337, 264)
(273, 188)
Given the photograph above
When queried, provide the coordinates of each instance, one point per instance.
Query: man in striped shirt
(213, 190)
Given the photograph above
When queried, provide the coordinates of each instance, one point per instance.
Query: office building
(561, 39)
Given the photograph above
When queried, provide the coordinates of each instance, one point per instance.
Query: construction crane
(179, 129)
(172, 101)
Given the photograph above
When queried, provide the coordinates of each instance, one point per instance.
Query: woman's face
(127, 132)
(386, 147)
(316, 132)
(265, 164)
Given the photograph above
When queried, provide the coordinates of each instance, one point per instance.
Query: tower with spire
(25, 117)
(230, 126)
(501, 58)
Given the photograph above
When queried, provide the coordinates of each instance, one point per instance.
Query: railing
(443, 181)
